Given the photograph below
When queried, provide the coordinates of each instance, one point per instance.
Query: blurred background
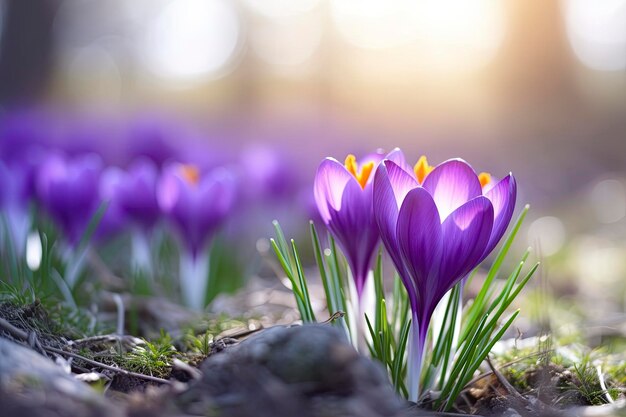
(537, 88)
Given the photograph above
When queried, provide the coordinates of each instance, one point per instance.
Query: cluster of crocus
(71, 189)
(134, 170)
(437, 224)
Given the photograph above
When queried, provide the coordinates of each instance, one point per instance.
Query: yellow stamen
(484, 178)
(190, 173)
(422, 169)
(350, 164)
(353, 168)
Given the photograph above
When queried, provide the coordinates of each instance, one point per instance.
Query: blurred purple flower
(132, 197)
(437, 225)
(269, 173)
(196, 203)
(136, 192)
(343, 195)
(68, 189)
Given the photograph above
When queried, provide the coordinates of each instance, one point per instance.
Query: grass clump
(152, 358)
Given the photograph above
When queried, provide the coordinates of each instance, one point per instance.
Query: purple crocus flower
(437, 225)
(69, 191)
(133, 193)
(343, 195)
(196, 205)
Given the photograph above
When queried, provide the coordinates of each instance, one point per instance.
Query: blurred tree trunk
(26, 46)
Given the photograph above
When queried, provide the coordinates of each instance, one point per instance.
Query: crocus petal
(168, 190)
(391, 185)
(330, 180)
(452, 183)
(216, 194)
(355, 230)
(465, 235)
(397, 157)
(420, 238)
(401, 182)
(502, 196)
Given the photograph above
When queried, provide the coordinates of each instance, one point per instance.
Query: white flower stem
(194, 280)
(415, 360)
(142, 257)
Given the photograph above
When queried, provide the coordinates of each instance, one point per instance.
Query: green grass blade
(303, 285)
(280, 239)
(478, 306)
(475, 363)
(504, 250)
(319, 259)
(398, 359)
(294, 285)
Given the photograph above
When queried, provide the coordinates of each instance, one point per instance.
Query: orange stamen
(484, 178)
(353, 168)
(422, 169)
(190, 173)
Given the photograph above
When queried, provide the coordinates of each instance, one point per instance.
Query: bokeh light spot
(547, 234)
(597, 32)
(191, 39)
(608, 199)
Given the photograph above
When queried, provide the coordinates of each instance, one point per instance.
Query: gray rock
(305, 371)
(31, 385)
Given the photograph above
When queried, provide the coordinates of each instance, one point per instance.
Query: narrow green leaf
(478, 306)
(294, 285)
(478, 359)
(280, 239)
(319, 259)
(303, 284)
(398, 359)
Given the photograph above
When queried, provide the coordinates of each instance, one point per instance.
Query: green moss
(152, 358)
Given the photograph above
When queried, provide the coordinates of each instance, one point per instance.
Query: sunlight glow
(448, 34)
(597, 32)
(287, 43)
(281, 8)
(375, 24)
(191, 39)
